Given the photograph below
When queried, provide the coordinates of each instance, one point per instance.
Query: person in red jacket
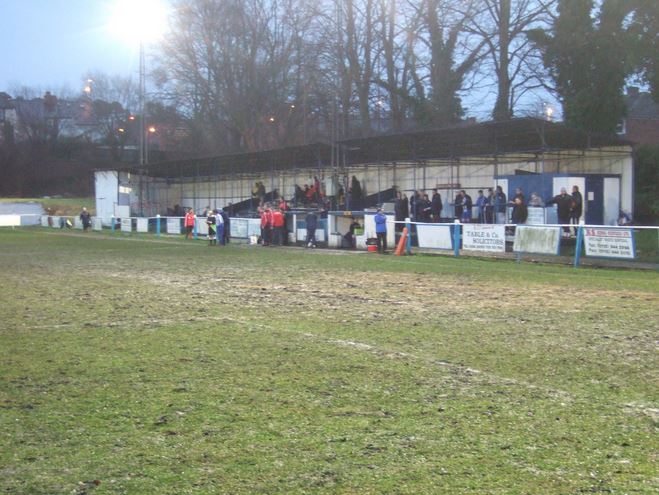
(188, 223)
(266, 226)
(277, 226)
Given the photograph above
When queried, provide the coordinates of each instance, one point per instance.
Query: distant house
(641, 125)
(48, 118)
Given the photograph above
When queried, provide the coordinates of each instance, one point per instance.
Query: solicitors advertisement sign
(478, 237)
(609, 242)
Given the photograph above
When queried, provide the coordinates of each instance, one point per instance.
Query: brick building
(641, 125)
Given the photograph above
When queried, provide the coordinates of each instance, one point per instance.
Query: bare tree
(392, 75)
(361, 37)
(235, 66)
(112, 89)
(452, 54)
(503, 26)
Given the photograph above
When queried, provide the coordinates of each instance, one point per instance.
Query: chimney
(632, 91)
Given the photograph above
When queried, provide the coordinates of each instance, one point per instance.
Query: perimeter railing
(613, 245)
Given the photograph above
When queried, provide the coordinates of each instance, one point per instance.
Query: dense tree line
(253, 74)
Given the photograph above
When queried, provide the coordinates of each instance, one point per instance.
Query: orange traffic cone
(400, 249)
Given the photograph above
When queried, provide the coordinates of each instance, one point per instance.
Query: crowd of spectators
(490, 206)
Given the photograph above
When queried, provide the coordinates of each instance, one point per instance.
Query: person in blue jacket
(381, 230)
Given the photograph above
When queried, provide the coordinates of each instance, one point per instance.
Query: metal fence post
(456, 238)
(158, 225)
(408, 242)
(578, 247)
(112, 222)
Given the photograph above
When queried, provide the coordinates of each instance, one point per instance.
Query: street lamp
(88, 88)
(548, 111)
(151, 130)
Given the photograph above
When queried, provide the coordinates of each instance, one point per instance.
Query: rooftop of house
(640, 104)
(5, 101)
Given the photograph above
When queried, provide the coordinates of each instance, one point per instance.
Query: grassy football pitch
(135, 365)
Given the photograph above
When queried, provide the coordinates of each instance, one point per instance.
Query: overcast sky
(51, 44)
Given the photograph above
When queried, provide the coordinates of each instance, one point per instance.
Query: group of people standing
(273, 224)
(218, 222)
(309, 194)
(420, 207)
(569, 207)
(491, 207)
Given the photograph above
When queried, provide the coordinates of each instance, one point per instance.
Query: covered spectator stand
(469, 156)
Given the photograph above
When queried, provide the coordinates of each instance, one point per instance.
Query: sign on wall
(10, 220)
(479, 237)
(173, 225)
(126, 225)
(142, 225)
(538, 240)
(609, 242)
(536, 216)
(239, 228)
(434, 236)
(253, 226)
(302, 235)
(202, 226)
